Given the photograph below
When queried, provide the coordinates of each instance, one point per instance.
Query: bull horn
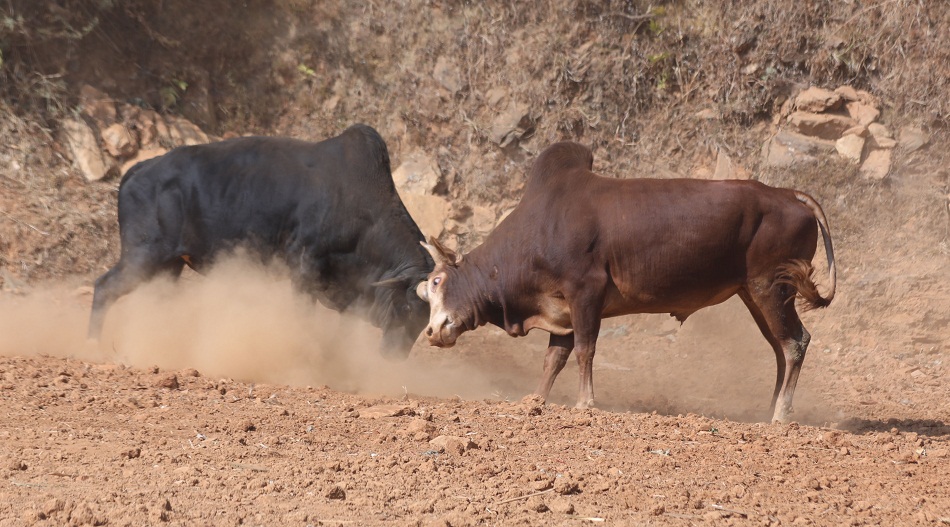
(389, 282)
(422, 290)
(441, 254)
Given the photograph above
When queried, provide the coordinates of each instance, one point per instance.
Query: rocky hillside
(845, 101)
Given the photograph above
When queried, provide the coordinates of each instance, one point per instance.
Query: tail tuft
(799, 275)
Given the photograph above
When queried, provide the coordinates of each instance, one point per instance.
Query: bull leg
(559, 348)
(776, 346)
(585, 318)
(119, 281)
(784, 328)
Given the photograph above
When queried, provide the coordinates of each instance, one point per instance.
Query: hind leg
(121, 280)
(773, 309)
(559, 349)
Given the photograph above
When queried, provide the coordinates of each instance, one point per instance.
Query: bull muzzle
(442, 336)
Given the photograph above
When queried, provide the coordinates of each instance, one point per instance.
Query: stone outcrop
(108, 138)
(844, 121)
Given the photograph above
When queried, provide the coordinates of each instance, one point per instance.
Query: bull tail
(799, 273)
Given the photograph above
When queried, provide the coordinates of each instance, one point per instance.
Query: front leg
(559, 348)
(585, 317)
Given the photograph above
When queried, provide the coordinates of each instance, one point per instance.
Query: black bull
(328, 209)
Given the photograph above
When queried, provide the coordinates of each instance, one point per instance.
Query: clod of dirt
(385, 410)
(561, 505)
(132, 453)
(452, 445)
(336, 492)
(531, 405)
(565, 486)
(536, 504)
(169, 381)
(420, 429)
(17, 465)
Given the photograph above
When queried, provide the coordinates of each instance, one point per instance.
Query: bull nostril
(428, 332)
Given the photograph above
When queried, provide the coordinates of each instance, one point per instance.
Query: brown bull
(580, 248)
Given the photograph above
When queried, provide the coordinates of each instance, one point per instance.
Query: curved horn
(389, 282)
(422, 290)
(441, 254)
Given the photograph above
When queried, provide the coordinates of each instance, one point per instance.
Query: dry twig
(526, 496)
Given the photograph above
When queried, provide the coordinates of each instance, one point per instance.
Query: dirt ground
(227, 399)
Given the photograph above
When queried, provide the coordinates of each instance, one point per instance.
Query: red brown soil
(228, 400)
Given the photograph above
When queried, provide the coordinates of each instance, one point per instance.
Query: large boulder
(821, 125)
(816, 99)
(418, 174)
(119, 141)
(84, 149)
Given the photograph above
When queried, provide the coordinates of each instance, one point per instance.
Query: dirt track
(93, 442)
(103, 444)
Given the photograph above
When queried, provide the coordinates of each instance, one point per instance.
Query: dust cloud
(243, 321)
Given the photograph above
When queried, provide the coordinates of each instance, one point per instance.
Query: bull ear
(391, 283)
(442, 254)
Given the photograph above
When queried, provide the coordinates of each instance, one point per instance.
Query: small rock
(452, 444)
(544, 484)
(132, 453)
(183, 132)
(483, 219)
(859, 130)
(816, 99)
(883, 142)
(561, 505)
(145, 123)
(863, 113)
(510, 125)
(707, 114)
(847, 93)
(912, 138)
(823, 126)
(789, 148)
(53, 506)
(85, 150)
(190, 372)
(421, 429)
(536, 504)
(429, 212)
(143, 155)
(877, 165)
(878, 130)
(168, 381)
(118, 141)
(17, 465)
(418, 174)
(565, 485)
(531, 404)
(726, 168)
(336, 492)
(850, 147)
(385, 410)
(85, 514)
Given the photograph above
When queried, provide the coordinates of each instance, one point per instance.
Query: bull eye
(436, 281)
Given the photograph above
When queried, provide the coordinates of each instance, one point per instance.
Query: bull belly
(680, 304)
